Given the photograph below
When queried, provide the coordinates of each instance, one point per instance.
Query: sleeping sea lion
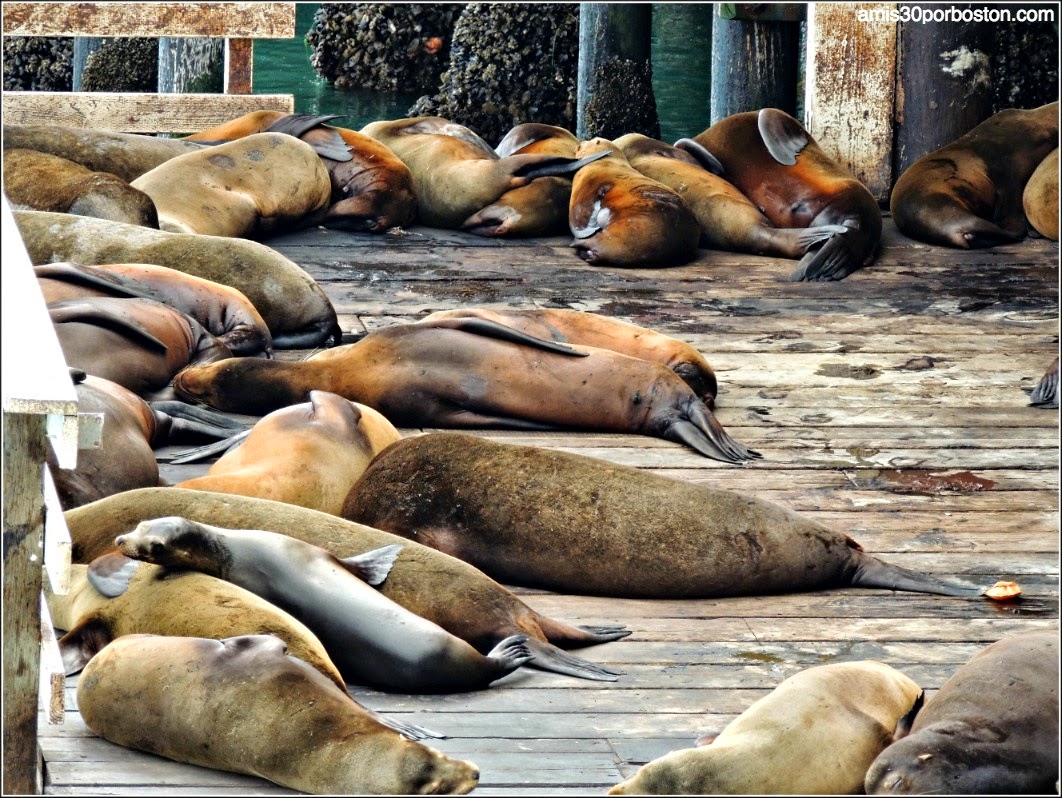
(776, 163)
(640, 535)
(620, 217)
(473, 373)
(1040, 197)
(245, 705)
(815, 734)
(373, 640)
(968, 194)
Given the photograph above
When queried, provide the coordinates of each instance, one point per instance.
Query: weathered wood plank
(247, 20)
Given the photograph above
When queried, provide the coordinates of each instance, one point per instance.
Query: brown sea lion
(1040, 197)
(473, 373)
(728, 219)
(438, 587)
(640, 535)
(1045, 394)
(297, 310)
(40, 181)
(308, 454)
(244, 705)
(222, 310)
(968, 194)
(127, 155)
(136, 342)
(620, 217)
(991, 729)
(604, 332)
(373, 640)
(776, 163)
(815, 734)
(254, 187)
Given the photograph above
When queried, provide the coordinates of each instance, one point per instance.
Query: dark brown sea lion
(473, 373)
(244, 705)
(1045, 394)
(968, 194)
(620, 217)
(438, 587)
(991, 729)
(776, 746)
(40, 181)
(604, 332)
(297, 310)
(308, 454)
(136, 342)
(776, 163)
(373, 640)
(222, 310)
(1040, 197)
(640, 535)
(728, 219)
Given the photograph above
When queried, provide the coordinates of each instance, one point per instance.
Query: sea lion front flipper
(834, 260)
(325, 141)
(548, 657)
(81, 644)
(492, 329)
(703, 156)
(110, 573)
(782, 135)
(203, 452)
(76, 310)
(813, 236)
(903, 726)
(701, 431)
(876, 573)
(80, 274)
(1045, 394)
(187, 418)
(409, 730)
(373, 566)
(536, 166)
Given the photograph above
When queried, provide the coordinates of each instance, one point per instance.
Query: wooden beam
(239, 66)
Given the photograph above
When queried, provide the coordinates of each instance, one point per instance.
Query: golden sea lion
(968, 194)
(1040, 197)
(298, 312)
(42, 182)
(620, 217)
(245, 705)
(815, 734)
(776, 163)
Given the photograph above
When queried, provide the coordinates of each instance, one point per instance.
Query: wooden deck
(891, 405)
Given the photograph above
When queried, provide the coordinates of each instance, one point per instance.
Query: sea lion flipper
(76, 310)
(110, 573)
(81, 274)
(701, 431)
(813, 236)
(553, 165)
(185, 418)
(834, 260)
(373, 566)
(408, 730)
(326, 142)
(903, 726)
(81, 644)
(203, 452)
(548, 657)
(704, 740)
(781, 134)
(492, 329)
(703, 156)
(1045, 394)
(875, 573)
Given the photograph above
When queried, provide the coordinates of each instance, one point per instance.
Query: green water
(681, 61)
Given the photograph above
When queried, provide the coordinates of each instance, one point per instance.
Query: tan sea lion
(298, 312)
(604, 332)
(1040, 197)
(222, 310)
(473, 373)
(40, 181)
(620, 217)
(373, 640)
(1045, 394)
(640, 535)
(991, 729)
(728, 219)
(308, 454)
(968, 194)
(438, 587)
(254, 187)
(244, 705)
(815, 734)
(776, 163)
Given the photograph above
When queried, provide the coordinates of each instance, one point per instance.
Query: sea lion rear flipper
(81, 644)
(373, 566)
(492, 329)
(409, 730)
(327, 143)
(75, 310)
(782, 135)
(1045, 394)
(203, 452)
(185, 418)
(548, 657)
(110, 573)
(903, 726)
(703, 155)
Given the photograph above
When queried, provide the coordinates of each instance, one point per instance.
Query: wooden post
(84, 46)
(190, 65)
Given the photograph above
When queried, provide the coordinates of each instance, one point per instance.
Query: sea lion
(1040, 197)
(473, 373)
(640, 535)
(136, 342)
(620, 217)
(244, 705)
(43, 182)
(968, 194)
(456, 173)
(451, 593)
(728, 219)
(308, 454)
(127, 155)
(593, 329)
(222, 310)
(814, 734)
(776, 163)
(992, 728)
(298, 312)
(372, 639)
(1045, 394)
(254, 187)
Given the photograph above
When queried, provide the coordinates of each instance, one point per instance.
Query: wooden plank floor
(891, 405)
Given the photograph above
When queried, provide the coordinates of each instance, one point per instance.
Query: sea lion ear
(373, 566)
(782, 135)
(81, 643)
(110, 573)
(903, 727)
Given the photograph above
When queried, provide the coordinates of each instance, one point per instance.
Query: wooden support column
(191, 65)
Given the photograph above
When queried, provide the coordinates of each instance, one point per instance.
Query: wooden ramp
(892, 406)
